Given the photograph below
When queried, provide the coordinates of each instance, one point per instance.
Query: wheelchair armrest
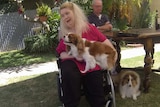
(58, 60)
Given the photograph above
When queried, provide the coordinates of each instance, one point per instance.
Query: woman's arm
(107, 42)
(106, 27)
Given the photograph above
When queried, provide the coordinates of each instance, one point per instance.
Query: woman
(74, 20)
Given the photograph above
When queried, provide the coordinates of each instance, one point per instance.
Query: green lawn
(41, 90)
(18, 58)
(139, 61)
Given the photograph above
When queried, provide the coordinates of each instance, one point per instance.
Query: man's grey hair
(93, 1)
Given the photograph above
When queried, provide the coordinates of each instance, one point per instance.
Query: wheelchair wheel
(59, 82)
(111, 92)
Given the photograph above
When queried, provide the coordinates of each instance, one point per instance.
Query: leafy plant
(128, 13)
(43, 10)
(37, 43)
(143, 18)
(47, 41)
(85, 4)
(119, 12)
(53, 21)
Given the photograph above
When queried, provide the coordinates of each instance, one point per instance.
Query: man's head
(97, 6)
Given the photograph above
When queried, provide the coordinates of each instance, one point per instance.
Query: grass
(41, 90)
(139, 61)
(19, 58)
(36, 91)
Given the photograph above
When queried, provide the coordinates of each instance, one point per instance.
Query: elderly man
(98, 19)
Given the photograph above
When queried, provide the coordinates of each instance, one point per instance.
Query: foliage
(43, 10)
(85, 4)
(53, 21)
(119, 12)
(37, 43)
(123, 13)
(47, 41)
(143, 18)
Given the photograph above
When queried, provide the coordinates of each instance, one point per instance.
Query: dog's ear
(73, 38)
(134, 77)
(124, 80)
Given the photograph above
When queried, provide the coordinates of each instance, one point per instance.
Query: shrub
(37, 43)
(47, 41)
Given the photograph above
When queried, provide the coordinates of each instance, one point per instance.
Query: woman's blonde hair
(80, 19)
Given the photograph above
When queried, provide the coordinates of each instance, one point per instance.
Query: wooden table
(147, 37)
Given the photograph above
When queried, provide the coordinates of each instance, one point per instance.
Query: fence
(13, 29)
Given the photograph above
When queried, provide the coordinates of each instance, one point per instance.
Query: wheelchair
(107, 84)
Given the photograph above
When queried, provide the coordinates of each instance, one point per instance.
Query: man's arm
(106, 27)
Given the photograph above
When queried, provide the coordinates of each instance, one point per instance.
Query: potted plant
(43, 11)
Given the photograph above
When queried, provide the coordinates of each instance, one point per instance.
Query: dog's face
(74, 40)
(129, 80)
(71, 38)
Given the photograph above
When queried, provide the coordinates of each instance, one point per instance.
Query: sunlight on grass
(7, 81)
(36, 91)
(18, 58)
(41, 91)
(139, 61)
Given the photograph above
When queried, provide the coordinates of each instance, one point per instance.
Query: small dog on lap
(92, 52)
(129, 84)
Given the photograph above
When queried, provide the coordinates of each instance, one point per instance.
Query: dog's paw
(92, 65)
(79, 58)
(123, 96)
(83, 71)
(134, 97)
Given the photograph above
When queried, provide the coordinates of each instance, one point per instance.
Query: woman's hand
(65, 55)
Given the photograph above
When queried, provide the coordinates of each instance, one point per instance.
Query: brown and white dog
(129, 84)
(92, 52)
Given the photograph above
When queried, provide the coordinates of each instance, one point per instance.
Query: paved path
(129, 53)
(52, 66)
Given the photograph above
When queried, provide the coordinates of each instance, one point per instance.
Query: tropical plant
(119, 12)
(85, 4)
(53, 22)
(143, 18)
(123, 13)
(43, 10)
(47, 41)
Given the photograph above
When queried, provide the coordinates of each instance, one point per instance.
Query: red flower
(21, 10)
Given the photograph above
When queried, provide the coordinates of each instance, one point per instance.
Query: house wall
(155, 5)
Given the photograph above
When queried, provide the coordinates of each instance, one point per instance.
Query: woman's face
(67, 16)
